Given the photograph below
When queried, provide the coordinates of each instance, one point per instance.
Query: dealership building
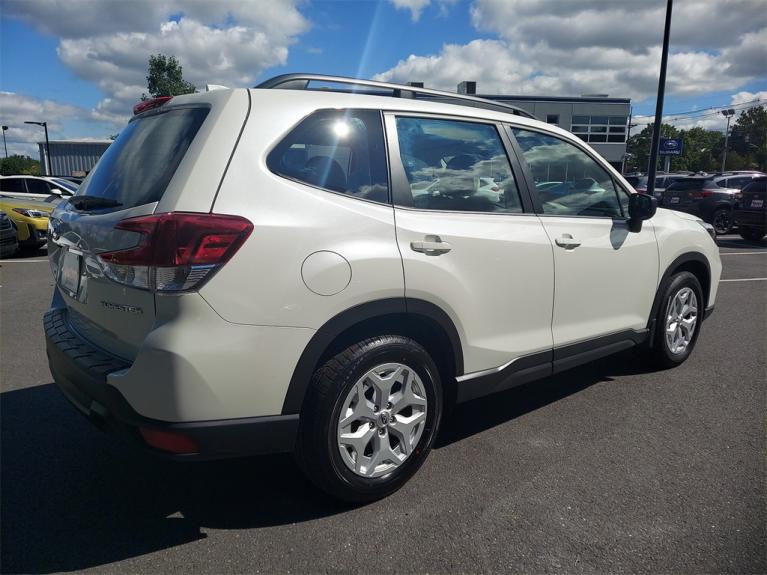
(71, 157)
(601, 121)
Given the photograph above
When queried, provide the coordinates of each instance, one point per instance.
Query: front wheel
(370, 418)
(677, 323)
(722, 221)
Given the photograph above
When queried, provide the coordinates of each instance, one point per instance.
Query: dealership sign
(673, 147)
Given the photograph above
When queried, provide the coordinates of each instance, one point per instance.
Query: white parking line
(741, 253)
(22, 261)
(745, 280)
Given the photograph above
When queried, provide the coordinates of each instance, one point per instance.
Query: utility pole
(47, 147)
(727, 114)
(651, 169)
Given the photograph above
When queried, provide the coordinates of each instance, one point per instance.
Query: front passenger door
(605, 275)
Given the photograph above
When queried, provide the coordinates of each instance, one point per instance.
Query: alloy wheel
(382, 420)
(681, 319)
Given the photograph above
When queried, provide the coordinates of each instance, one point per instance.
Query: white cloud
(743, 97)
(572, 48)
(21, 138)
(415, 7)
(109, 43)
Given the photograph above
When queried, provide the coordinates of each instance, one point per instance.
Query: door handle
(567, 241)
(431, 246)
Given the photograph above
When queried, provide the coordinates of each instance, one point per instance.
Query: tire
(722, 221)
(663, 352)
(752, 234)
(363, 468)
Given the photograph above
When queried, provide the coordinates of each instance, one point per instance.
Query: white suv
(325, 272)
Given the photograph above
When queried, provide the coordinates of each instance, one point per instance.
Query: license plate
(757, 203)
(69, 278)
(675, 200)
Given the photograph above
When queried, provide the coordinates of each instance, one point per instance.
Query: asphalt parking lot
(610, 467)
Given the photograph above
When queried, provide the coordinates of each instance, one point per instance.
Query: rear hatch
(105, 243)
(753, 198)
(685, 194)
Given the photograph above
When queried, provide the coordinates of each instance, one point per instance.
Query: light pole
(4, 144)
(47, 147)
(651, 169)
(728, 114)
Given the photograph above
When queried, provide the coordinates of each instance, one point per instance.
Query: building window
(600, 129)
(552, 118)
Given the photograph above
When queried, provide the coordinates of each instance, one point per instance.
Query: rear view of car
(751, 210)
(704, 197)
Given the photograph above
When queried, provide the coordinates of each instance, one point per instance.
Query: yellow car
(30, 218)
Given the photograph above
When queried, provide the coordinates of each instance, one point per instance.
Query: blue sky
(81, 64)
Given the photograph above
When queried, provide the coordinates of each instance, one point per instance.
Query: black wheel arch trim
(330, 330)
(670, 269)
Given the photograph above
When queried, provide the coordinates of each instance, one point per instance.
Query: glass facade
(600, 129)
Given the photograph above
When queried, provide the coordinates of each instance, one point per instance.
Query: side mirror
(56, 192)
(641, 207)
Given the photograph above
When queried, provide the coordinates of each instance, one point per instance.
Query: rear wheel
(677, 323)
(370, 418)
(751, 233)
(722, 221)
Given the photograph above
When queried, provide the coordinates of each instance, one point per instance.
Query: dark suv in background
(711, 198)
(751, 210)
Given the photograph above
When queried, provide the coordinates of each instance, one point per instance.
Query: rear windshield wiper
(93, 202)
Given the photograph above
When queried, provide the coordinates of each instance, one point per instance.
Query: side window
(568, 181)
(339, 151)
(15, 185)
(38, 186)
(456, 166)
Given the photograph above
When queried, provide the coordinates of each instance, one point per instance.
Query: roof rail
(300, 81)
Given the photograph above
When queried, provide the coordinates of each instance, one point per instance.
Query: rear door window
(14, 185)
(138, 166)
(339, 151)
(456, 166)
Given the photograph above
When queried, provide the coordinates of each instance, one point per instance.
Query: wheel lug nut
(375, 408)
(393, 419)
(372, 425)
(381, 431)
(388, 406)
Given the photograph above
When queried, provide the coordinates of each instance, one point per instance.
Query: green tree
(749, 139)
(702, 150)
(166, 78)
(16, 164)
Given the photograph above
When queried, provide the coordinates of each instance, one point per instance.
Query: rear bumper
(80, 372)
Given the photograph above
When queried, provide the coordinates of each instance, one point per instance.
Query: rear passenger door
(606, 276)
(14, 187)
(469, 241)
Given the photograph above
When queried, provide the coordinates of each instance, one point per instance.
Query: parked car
(30, 217)
(661, 183)
(705, 197)
(9, 243)
(320, 301)
(751, 210)
(737, 180)
(35, 187)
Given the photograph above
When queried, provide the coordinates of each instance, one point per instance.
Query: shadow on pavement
(73, 498)
(487, 412)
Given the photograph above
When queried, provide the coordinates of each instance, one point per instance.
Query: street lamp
(47, 146)
(4, 144)
(727, 114)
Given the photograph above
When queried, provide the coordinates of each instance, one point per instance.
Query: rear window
(15, 185)
(756, 187)
(137, 167)
(682, 185)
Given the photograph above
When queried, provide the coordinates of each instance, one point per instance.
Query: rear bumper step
(80, 371)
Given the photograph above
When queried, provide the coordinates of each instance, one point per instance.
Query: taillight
(706, 193)
(145, 105)
(177, 251)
